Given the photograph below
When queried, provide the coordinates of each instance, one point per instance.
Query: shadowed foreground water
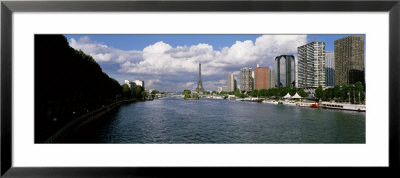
(174, 120)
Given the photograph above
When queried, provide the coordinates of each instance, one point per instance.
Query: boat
(290, 103)
(314, 105)
(305, 104)
(308, 105)
(344, 106)
(270, 101)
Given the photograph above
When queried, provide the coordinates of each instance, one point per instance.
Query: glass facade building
(285, 75)
(330, 69)
(232, 85)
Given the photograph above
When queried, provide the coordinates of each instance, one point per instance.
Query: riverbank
(300, 103)
(83, 120)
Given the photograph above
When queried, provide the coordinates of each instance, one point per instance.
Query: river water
(175, 120)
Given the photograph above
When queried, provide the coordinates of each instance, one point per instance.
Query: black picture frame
(8, 7)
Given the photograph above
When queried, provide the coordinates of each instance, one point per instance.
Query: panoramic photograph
(200, 88)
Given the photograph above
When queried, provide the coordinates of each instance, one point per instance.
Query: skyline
(170, 62)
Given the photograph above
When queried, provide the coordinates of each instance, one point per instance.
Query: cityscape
(193, 88)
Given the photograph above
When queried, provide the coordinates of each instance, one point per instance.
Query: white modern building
(232, 82)
(311, 65)
(130, 83)
(139, 83)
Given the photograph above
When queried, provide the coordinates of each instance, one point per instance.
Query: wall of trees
(68, 83)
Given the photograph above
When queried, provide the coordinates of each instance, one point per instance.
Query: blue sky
(168, 62)
(138, 42)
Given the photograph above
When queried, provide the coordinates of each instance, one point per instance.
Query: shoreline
(84, 120)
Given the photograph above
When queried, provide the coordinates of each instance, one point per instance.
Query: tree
(319, 92)
(329, 93)
(85, 87)
(154, 92)
(254, 93)
(292, 91)
(272, 92)
(143, 94)
(137, 92)
(126, 91)
(195, 96)
(337, 92)
(359, 91)
(302, 93)
(262, 92)
(186, 94)
(237, 92)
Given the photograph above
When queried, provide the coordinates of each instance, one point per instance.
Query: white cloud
(104, 53)
(161, 60)
(189, 84)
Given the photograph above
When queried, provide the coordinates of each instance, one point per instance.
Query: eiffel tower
(199, 83)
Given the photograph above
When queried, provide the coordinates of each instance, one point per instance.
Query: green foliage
(319, 92)
(137, 93)
(67, 81)
(273, 92)
(262, 93)
(143, 94)
(186, 94)
(154, 92)
(302, 93)
(254, 93)
(353, 93)
(329, 93)
(237, 93)
(126, 91)
(195, 96)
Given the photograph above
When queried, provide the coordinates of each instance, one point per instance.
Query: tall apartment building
(232, 82)
(139, 83)
(349, 59)
(130, 83)
(261, 78)
(311, 65)
(285, 75)
(272, 78)
(246, 79)
(330, 69)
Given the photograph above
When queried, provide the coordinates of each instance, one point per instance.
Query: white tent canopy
(296, 96)
(287, 96)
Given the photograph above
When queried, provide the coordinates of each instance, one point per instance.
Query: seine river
(174, 120)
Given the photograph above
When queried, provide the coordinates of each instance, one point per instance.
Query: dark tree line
(354, 93)
(68, 83)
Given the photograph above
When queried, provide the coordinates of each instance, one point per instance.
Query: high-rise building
(130, 83)
(311, 65)
(139, 83)
(329, 68)
(246, 79)
(261, 78)
(349, 55)
(232, 82)
(272, 78)
(356, 76)
(285, 75)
